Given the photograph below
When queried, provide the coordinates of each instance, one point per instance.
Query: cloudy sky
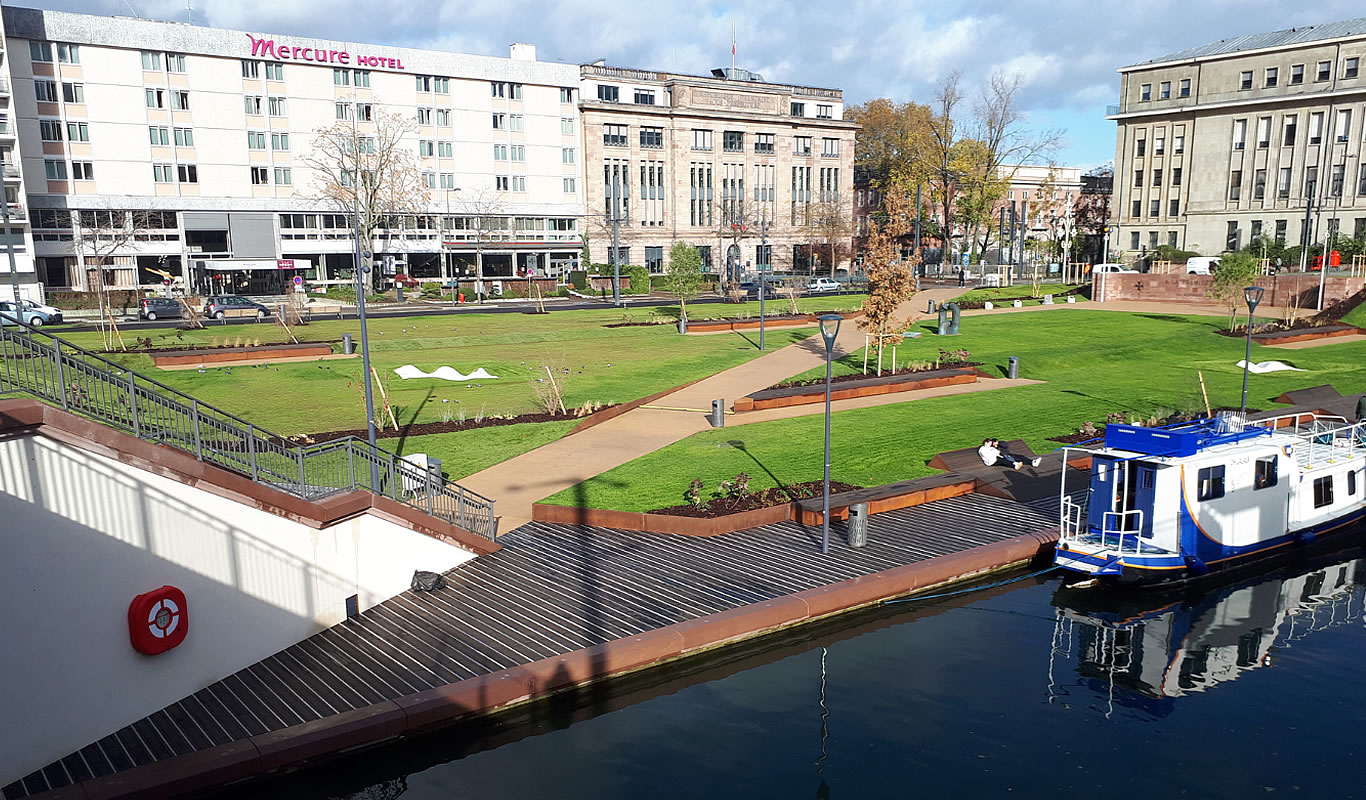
(1067, 49)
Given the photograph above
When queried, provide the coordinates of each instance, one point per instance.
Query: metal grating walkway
(550, 590)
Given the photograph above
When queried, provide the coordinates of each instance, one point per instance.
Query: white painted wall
(82, 534)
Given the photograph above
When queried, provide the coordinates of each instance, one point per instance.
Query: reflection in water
(1144, 650)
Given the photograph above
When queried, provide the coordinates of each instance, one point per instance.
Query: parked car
(1202, 265)
(10, 312)
(824, 285)
(162, 308)
(231, 305)
(1110, 269)
(54, 314)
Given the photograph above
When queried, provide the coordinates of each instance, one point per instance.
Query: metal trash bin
(1013, 370)
(682, 324)
(718, 413)
(930, 309)
(858, 524)
(348, 345)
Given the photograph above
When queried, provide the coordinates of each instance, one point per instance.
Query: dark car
(231, 305)
(162, 308)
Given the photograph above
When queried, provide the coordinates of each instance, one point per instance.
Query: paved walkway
(516, 484)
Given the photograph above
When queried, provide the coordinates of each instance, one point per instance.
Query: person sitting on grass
(991, 454)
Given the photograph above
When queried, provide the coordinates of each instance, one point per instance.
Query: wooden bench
(315, 307)
(967, 458)
(890, 497)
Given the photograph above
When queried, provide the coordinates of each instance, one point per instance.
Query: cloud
(1068, 49)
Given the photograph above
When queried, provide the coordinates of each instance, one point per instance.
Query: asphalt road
(388, 312)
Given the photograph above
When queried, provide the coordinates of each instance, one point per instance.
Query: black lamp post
(830, 328)
(1253, 296)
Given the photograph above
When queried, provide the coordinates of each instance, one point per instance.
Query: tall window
(830, 148)
(45, 91)
(798, 109)
(175, 62)
(1283, 183)
(180, 100)
(514, 122)
(341, 77)
(764, 143)
(55, 169)
(1272, 75)
(159, 136)
(651, 137)
(156, 98)
(1264, 131)
(566, 96)
(733, 141)
(1259, 184)
(1235, 185)
(284, 176)
(801, 145)
(279, 141)
(78, 131)
(701, 140)
(614, 136)
(1245, 79)
(256, 140)
(443, 117)
(73, 92)
(1344, 125)
(1288, 132)
(250, 69)
(1316, 127)
(40, 51)
(1325, 71)
(424, 83)
(1239, 134)
(1296, 74)
(1349, 67)
(184, 137)
(1164, 90)
(1184, 88)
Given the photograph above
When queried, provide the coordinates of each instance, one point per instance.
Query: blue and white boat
(1178, 502)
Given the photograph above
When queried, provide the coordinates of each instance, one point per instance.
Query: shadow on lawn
(1166, 318)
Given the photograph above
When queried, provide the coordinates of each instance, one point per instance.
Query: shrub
(579, 280)
(640, 279)
(431, 291)
(694, 493)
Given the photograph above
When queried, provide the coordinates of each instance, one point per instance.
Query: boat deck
(552, 589)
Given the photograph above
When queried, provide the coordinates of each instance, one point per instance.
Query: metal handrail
(82, 382)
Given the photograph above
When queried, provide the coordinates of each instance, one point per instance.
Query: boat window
(1323, 491)
(1351, 483)
(1146, 478)
(1100, 470)
(1211, 483)
(1265, 477)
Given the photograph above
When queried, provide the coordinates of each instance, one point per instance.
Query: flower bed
(751, 501)
(860, 387)
(228, 355)
(851, 378)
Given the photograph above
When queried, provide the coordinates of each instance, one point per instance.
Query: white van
(1103, 269)
(1202, 265)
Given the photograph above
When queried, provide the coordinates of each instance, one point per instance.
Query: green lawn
(1356, 316)
(1094, 362)
(468, 452)
(605, 365)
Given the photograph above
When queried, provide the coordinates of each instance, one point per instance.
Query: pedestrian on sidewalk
(962, 278)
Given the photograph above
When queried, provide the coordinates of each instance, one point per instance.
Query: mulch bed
(1304, 324)
(641, 324)
(721, 506)
(424, 428)
(172, 349)
(886, 373)
(1000, 302)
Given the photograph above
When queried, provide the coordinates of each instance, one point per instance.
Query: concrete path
(516, 484)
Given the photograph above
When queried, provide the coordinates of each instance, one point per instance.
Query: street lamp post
(763, 280)
(1253, 296)
(830, 328)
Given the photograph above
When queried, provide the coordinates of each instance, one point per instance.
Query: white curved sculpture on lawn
(444, 373)
(1262, 367)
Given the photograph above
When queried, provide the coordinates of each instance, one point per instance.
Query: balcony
(11, 171)
(1111, 110)
(6, 129)
(4, 85)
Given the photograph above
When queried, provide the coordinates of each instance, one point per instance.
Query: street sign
(965, 259)
(165, 281)
(298, 280)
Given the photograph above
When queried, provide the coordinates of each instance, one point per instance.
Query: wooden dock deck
(553, 589)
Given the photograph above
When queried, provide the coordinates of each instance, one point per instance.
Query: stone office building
(757, 175)
(1246, 137)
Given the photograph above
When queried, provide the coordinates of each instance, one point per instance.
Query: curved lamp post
(830, 328)
(1253, 296)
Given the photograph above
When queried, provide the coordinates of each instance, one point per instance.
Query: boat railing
(1323, 438)
(1123, 529)
(1072, 523)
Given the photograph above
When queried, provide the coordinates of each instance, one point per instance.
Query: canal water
(1244, 690)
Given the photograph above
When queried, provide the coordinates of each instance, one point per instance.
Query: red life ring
(158, 620)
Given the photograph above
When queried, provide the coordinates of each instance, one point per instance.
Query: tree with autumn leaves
(963, 158)
(891, 279)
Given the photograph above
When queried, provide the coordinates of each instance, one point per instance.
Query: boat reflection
(1143, 650)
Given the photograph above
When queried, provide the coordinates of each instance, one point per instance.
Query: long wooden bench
(889, 497)
(967, 458)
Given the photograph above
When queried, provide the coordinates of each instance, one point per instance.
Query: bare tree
(942, 157)
(99, 238)
(830, 225)
(487, 220)
(367, 169)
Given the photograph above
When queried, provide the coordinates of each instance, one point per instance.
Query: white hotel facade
(209, 128)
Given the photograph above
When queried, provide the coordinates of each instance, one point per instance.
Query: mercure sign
(268, 48)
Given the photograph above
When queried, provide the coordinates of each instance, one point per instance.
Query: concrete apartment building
(759, 176)
(208, 129)
(1251, 136)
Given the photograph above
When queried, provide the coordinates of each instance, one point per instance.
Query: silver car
(10, 311)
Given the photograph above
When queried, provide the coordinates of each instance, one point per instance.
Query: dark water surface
(1245, 690)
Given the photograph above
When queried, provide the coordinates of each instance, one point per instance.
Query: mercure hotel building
(168, 152)
(185, 151)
